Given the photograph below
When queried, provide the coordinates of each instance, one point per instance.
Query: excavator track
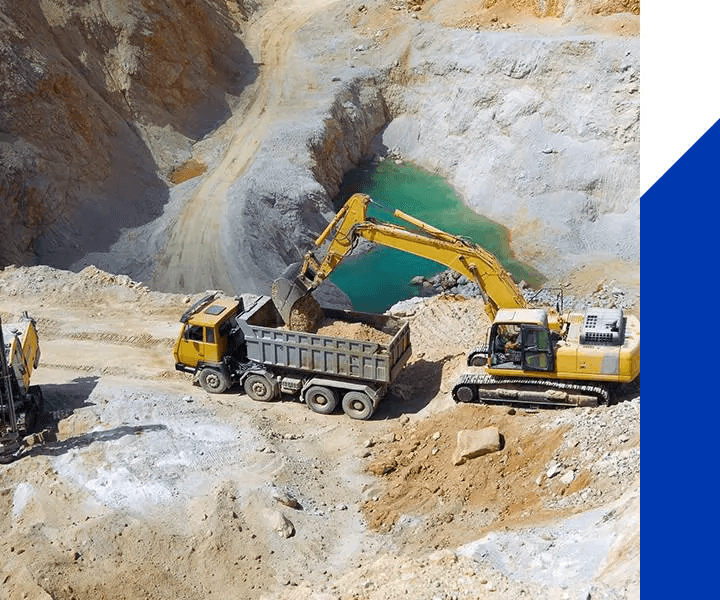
(480, 388)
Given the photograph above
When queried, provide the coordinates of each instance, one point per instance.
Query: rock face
(99, 102)
(197, 146)
(279, 205)
(539, 133)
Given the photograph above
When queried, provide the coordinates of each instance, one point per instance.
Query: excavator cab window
(537, 349)
(506, 351)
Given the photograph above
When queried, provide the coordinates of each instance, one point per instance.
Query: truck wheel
(358, 406)
(259, 388)
(213, 381)
(321, 399)
(30, 421)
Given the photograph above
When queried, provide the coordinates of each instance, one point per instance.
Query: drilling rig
(20, 403)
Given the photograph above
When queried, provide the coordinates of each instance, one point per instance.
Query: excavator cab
(521, 339)
(524, 346)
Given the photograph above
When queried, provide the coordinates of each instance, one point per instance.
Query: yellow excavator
(532, 356)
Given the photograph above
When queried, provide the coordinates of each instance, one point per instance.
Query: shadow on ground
(412, 391)
(61, 400)
(50, 446)
(627, 392)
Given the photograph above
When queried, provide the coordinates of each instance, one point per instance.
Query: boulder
(280, 523)
(474, 443)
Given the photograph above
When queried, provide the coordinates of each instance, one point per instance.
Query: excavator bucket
(287, 290)
(295, 302)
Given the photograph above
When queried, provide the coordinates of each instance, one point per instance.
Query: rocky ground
(198, 145)
(155, 489)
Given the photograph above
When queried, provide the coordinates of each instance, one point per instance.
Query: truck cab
(205, 337)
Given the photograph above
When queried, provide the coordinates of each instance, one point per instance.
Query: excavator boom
(291, 289)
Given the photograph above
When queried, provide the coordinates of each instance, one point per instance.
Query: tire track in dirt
(136, 355)
(143, 340)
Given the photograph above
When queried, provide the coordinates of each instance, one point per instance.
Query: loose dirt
(181, 494)
(353, 331)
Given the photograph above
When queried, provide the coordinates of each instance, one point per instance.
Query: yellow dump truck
(20, 403)
(225, 341)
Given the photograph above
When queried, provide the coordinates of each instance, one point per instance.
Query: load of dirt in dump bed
(353, 331)
(306, 315)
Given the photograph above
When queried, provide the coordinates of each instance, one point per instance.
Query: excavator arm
(351, 223)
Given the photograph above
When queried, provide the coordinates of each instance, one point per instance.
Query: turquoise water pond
(380, 278)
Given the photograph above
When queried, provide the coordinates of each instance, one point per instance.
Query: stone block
(474, 443)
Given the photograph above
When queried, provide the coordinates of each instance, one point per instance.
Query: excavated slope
(156, 489)
(197, 146)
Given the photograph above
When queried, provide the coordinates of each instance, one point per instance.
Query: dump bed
(267, 342)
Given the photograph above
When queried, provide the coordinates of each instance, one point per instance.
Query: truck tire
(213, 381)
(260, 388)
(321, 399)
(358, 405)
(29, 422)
